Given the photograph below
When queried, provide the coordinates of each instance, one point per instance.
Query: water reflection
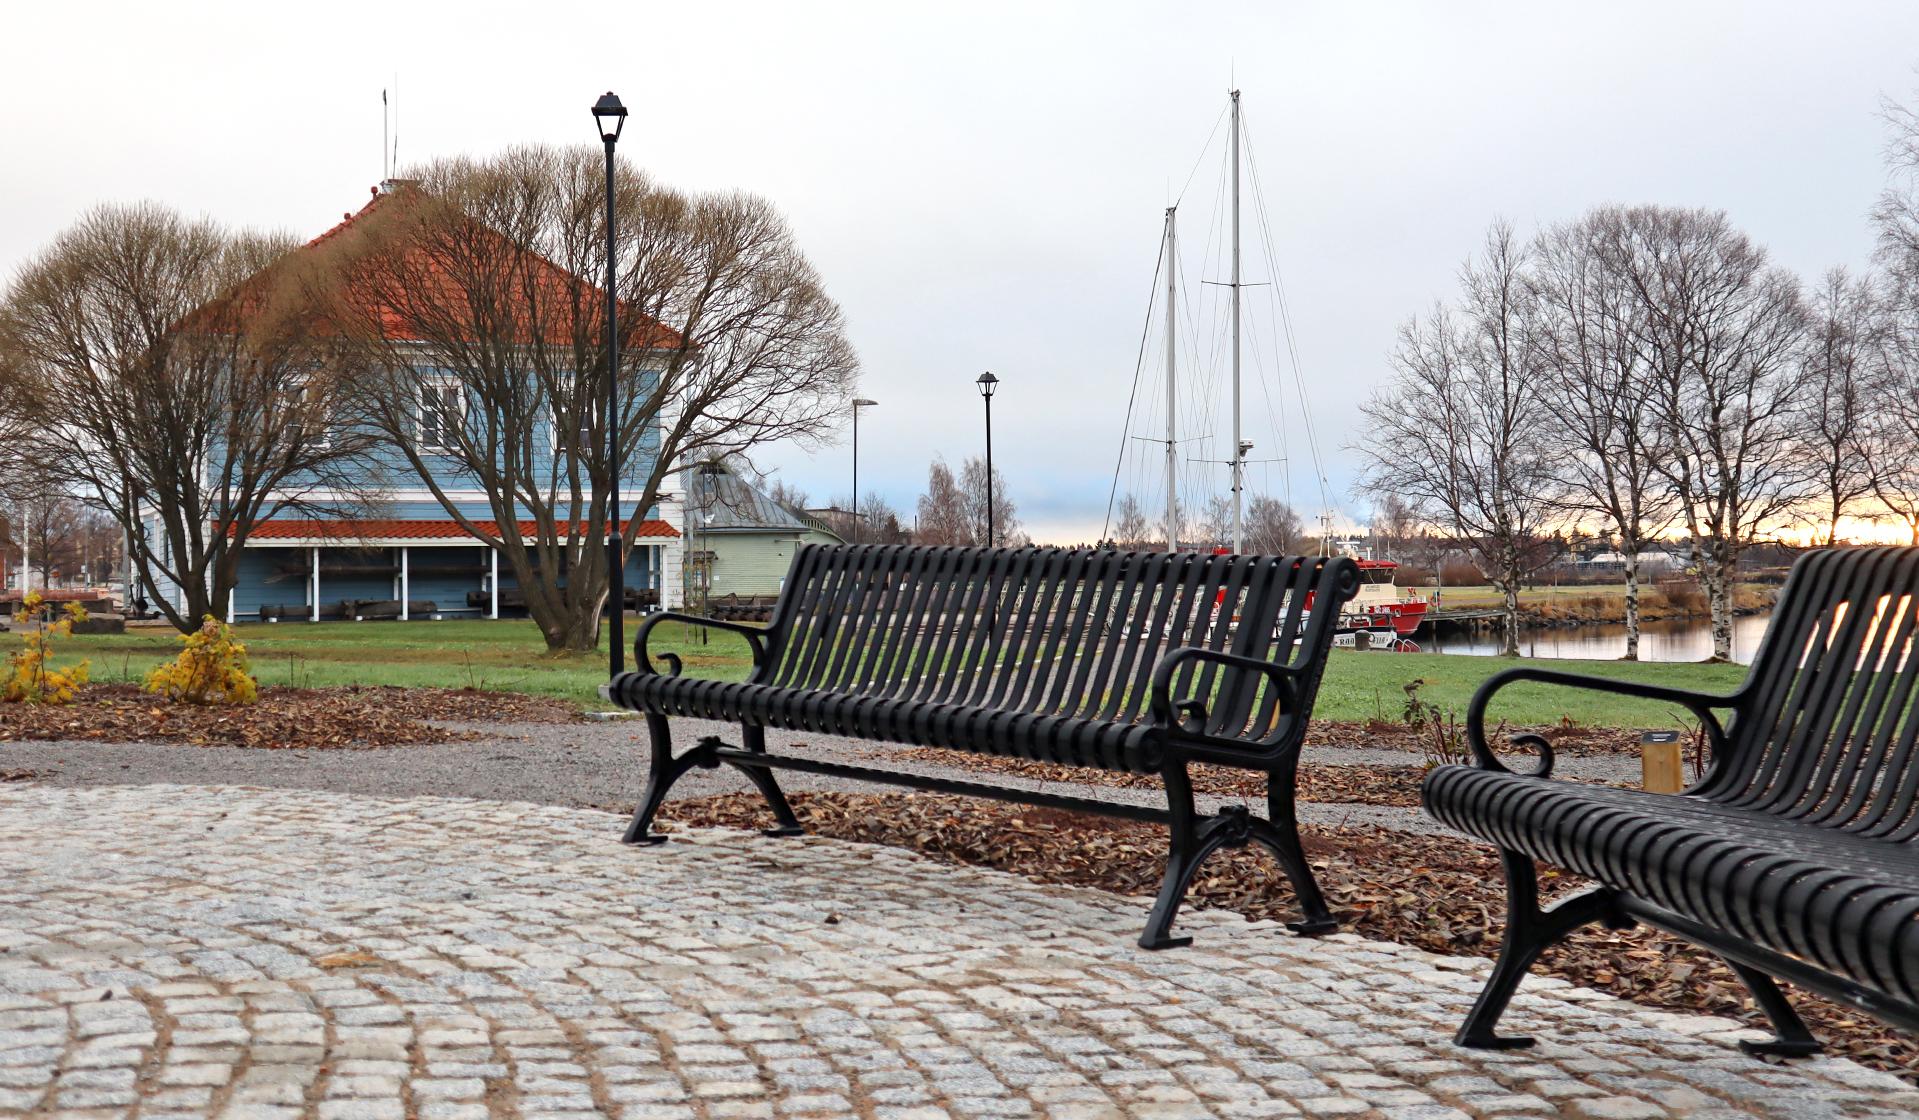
(1678, 640)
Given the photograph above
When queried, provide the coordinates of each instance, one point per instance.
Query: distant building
(1652, 562)
(739, 541)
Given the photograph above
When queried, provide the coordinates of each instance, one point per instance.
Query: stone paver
(197, 951)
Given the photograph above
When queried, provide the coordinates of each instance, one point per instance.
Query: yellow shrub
(30, 680)
(211, 668)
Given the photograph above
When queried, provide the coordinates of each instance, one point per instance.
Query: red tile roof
(348, 530)
(416, 266)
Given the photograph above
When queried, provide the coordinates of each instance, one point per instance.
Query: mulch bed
(1568, 740)
(282, 718)
(1396, 786)
(1431, 892)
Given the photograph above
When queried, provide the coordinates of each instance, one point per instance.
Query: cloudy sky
(982, 185)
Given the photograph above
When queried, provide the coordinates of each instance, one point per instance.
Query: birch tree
(1835, 408)
(1720, 335)
(1459, 431)
(1599, 392)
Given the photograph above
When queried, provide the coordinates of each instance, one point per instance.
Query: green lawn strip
(509, 656)
(1371, 685)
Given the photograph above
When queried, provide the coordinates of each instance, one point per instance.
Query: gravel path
(602, 765)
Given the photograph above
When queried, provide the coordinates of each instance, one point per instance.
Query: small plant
(1697, 751)
(212, 668)
(1416, 711)
(1445, 738)
(30, 680)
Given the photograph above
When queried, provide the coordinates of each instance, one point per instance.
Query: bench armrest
(1174, 715)
(755, 638)
(1700, 704)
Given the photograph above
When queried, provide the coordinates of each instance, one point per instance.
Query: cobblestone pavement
(206, 951)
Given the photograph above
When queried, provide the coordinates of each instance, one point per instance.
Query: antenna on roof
(385, 173)
(395, 167)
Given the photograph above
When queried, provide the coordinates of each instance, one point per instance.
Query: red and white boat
(1380, 595)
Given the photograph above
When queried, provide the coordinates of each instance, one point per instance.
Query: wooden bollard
(1661, 769)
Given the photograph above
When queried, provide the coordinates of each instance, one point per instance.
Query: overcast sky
(984, 189)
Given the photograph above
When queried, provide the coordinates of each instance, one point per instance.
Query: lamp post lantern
(858, 403)
(610, 116)
(988, 385)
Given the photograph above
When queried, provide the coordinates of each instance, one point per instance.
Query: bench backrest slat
(1827, 728)
(1048, 631)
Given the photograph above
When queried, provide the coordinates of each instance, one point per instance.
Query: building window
(442, 415)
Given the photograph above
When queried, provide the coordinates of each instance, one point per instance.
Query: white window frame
(438, 387)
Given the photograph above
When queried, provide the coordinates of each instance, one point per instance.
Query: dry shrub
(1459, 574)
(1683, 596)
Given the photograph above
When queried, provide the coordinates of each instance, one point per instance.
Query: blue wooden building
(390, 548)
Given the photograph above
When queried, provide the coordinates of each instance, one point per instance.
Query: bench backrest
(1053, 631)
(1827, 726)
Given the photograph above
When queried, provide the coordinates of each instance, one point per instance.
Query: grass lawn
(509, 656)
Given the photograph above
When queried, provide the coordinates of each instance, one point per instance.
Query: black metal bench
(1126, 661)
(1793, 857)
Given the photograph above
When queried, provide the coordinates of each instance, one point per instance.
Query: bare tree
(1395, 525)
(1131, 529)
(944, 517)
(1841, 345)
(1272, 528)
(474, 293)
(1460, 428)
(1892, 423)
(1213, 528)
(790, 497)
(1720, 336)
(1599, 391)
(1005, 519)
(880, 523)
(169, 373)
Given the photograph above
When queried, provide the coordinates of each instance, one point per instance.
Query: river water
(1676, 640)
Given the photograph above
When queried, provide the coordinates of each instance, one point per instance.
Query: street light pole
(611, 117)
(858, 403)
(988, 384)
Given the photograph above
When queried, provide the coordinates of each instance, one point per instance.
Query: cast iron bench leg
(789, 825)
(667, 769)
(1528, 931)
(661, 775)
(1280, 833)
(1193, 839)
(1184, 852)
(1790, 1038)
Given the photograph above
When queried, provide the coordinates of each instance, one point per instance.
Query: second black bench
(1127, 661)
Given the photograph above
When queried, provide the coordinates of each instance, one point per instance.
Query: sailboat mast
(1239, 445)
(1172, 434)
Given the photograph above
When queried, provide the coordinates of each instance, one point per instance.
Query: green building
(738, 540)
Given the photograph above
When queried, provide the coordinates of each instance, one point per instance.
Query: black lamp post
(987, 385)
(858, 403)
(610, 115)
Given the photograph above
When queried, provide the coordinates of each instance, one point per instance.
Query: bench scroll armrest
(1175, 715)
(755, 638)
(1700, 704)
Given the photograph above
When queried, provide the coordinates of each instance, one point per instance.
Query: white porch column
(316, 583)
(493, 585)
(406, 585)
(229, 606)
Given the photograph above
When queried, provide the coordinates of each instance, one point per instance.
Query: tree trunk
(1717, 575)
(1632, 603)
(1510, 589)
